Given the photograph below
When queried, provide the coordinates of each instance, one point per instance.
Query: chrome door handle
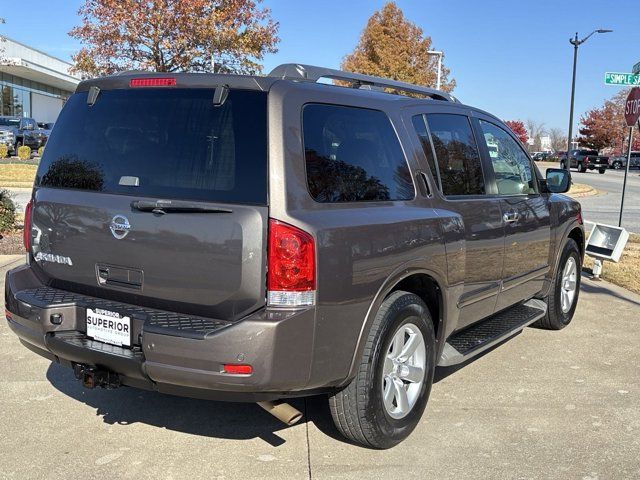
(510, 217)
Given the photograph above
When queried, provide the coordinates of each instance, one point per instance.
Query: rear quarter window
(353, 155)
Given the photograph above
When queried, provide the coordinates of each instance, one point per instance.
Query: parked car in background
(619, 162)
(584, 160)
(21, 131)
(541, 156)
(45, 128)
(258, 238)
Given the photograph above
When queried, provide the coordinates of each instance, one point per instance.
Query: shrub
(40, 151)
(24, 152)
(4, 150)
(7, 212)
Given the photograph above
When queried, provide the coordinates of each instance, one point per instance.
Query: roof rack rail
(296, 71)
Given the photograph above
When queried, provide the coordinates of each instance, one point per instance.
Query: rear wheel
(563, 165)
(384, 402)
(617, 165)
(602, 170)
(582, 168)
(563, 298)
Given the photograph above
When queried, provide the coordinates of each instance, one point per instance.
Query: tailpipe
(282, 411)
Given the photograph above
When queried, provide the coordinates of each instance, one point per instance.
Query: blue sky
(511, 58)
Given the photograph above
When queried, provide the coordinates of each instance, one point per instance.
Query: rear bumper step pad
(154, 321)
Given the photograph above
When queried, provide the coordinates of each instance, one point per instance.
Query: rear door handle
(510, 217)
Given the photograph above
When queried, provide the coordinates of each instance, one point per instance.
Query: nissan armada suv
(251, 238)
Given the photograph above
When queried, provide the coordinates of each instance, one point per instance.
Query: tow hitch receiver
(93, 377)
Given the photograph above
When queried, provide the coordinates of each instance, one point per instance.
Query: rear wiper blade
(160, 207)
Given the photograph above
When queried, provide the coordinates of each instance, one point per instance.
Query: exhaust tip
(282, 411)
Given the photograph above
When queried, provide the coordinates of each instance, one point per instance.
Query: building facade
(33, 83)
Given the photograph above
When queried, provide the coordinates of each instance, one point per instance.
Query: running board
(485, 334)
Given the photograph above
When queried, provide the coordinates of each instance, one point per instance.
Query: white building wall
(45, 108)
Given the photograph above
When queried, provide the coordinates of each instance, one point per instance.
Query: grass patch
(17, 175)
(626, 273)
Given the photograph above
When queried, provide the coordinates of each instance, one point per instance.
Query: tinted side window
(457, 154)
(353, 155)
(511, 165)
(421, 130)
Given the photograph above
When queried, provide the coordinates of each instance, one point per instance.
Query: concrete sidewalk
(543, 405)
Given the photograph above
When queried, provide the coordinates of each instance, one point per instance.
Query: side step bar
(480, 336)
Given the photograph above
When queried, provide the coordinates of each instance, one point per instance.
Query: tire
(558, 317)
(617, 165)
(582, 168)
(563, 165)
(602, 170)
(359, 410)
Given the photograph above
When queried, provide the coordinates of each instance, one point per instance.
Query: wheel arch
(429, 285)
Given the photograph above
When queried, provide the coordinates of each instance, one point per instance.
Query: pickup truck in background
(584, 160)
(18, 131)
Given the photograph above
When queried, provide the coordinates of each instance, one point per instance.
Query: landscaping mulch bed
(11, 243)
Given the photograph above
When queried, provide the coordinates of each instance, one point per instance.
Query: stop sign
(632, 107)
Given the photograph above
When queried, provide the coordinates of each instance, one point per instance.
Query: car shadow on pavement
(593, 287)
(127, 406)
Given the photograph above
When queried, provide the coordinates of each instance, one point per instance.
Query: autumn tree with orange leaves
(391, 46)
(517, 127)
(223, 36)
(604, 127)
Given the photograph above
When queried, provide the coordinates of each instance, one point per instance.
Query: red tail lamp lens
(292, 260)
(152, 82)
(26, 233)
(238, 369)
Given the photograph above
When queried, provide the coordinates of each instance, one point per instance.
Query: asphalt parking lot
(552, 405)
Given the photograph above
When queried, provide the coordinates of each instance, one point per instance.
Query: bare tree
(558, 139)
(536, 130)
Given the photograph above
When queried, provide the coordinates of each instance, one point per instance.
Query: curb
(592, 192)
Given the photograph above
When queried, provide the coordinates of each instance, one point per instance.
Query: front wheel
(563, 298)
(617, 165)
(582, 168)
(384, 402)
(602, 170)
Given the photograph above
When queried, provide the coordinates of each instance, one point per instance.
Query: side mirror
(558, 180)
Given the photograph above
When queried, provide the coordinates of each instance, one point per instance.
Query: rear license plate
(109, 327)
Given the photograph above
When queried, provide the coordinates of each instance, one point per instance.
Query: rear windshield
(166, 143)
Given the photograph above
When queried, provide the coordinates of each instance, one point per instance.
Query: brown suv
(251, 238)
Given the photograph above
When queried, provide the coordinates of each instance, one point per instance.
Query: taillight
(26, 233)
(152, 82)
(291, 267)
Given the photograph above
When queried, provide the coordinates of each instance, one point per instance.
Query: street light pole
(576, 43)
(439, 54)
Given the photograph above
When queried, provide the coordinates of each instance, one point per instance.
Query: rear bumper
(167, 357)
(598, 165)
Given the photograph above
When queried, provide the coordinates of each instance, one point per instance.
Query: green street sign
(617, 78)
(636, 69)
